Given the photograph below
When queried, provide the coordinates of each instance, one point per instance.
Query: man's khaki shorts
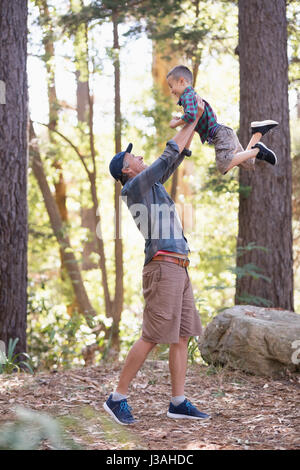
(170, 310)
(226, 145)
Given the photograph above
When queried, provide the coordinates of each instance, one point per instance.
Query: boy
(229, 151)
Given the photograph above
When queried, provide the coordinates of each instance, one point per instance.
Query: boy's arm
(191, 108)
(180, 138)
(169, 160)
(185, 135)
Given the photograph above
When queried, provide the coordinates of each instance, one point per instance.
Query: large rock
(262, 341)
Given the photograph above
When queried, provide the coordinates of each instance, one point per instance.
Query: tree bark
(119, 273)
(13, 172)
(265, 215)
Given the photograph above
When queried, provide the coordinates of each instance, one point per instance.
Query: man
(170, 315)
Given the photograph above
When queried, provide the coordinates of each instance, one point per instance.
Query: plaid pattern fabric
(207, 124)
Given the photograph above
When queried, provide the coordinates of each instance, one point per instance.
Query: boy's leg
(134, 361)
(242, 157)
(254, 140)
(258, 128)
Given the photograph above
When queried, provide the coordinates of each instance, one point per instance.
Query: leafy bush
(30, 430)
(9, 362)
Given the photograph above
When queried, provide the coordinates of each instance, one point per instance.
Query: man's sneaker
(186, 410)
(265, 154)
(263, 126)
(119, 410)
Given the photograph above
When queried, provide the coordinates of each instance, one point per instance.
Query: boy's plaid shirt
(207, 124)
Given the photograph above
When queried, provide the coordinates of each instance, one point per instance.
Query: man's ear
(126, 171)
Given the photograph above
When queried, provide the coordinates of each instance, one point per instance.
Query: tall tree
(81, 62)
(119, 271)
(13, 171)
(265, 215)
(46, 21)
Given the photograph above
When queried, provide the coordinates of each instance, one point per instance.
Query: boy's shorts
(170, 311)
(226, 145)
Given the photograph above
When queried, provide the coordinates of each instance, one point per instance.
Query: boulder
(262, 341)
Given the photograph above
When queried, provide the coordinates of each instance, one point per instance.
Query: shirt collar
(186, 90)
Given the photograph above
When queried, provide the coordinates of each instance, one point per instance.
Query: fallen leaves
(248, 412)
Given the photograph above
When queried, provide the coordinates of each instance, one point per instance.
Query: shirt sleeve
(159, 171)
(190, 107)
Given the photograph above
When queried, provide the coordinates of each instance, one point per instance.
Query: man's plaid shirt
(207, 124)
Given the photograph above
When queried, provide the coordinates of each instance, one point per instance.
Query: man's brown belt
(172, 259)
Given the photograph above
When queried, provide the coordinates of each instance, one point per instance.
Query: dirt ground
(248, 412)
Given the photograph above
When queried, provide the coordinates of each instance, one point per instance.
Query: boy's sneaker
(186, 410)
(263, 126)
(265, 154)
(119, 410)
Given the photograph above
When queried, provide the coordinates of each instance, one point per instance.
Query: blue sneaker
(186, 410)
(119, 410)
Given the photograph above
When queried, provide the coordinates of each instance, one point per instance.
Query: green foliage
(9, 362)
(31, 430)
(201, 32)
(246, 298)
(55, 339)
(193, 351)
(159, 115)
(293, 18)
(249, 269)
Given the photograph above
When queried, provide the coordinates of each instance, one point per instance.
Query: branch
(74, 147)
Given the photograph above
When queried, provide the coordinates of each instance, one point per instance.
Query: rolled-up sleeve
(190, 107)
(159, 171)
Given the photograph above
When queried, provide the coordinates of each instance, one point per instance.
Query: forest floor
(248, 412)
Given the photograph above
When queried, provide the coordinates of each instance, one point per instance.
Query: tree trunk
(265, 215)
(82, 107)
(13, 172)
(119, 288)
(48, 42)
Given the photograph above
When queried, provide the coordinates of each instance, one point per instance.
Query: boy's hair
(181, 71)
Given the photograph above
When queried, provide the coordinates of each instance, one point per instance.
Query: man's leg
(117, 405)
(177, 364)
(134, 361)
(180, 407)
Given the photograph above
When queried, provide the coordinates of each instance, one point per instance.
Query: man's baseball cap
(116, 165)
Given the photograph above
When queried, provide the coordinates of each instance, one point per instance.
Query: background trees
(13, 172)
(94, 95)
